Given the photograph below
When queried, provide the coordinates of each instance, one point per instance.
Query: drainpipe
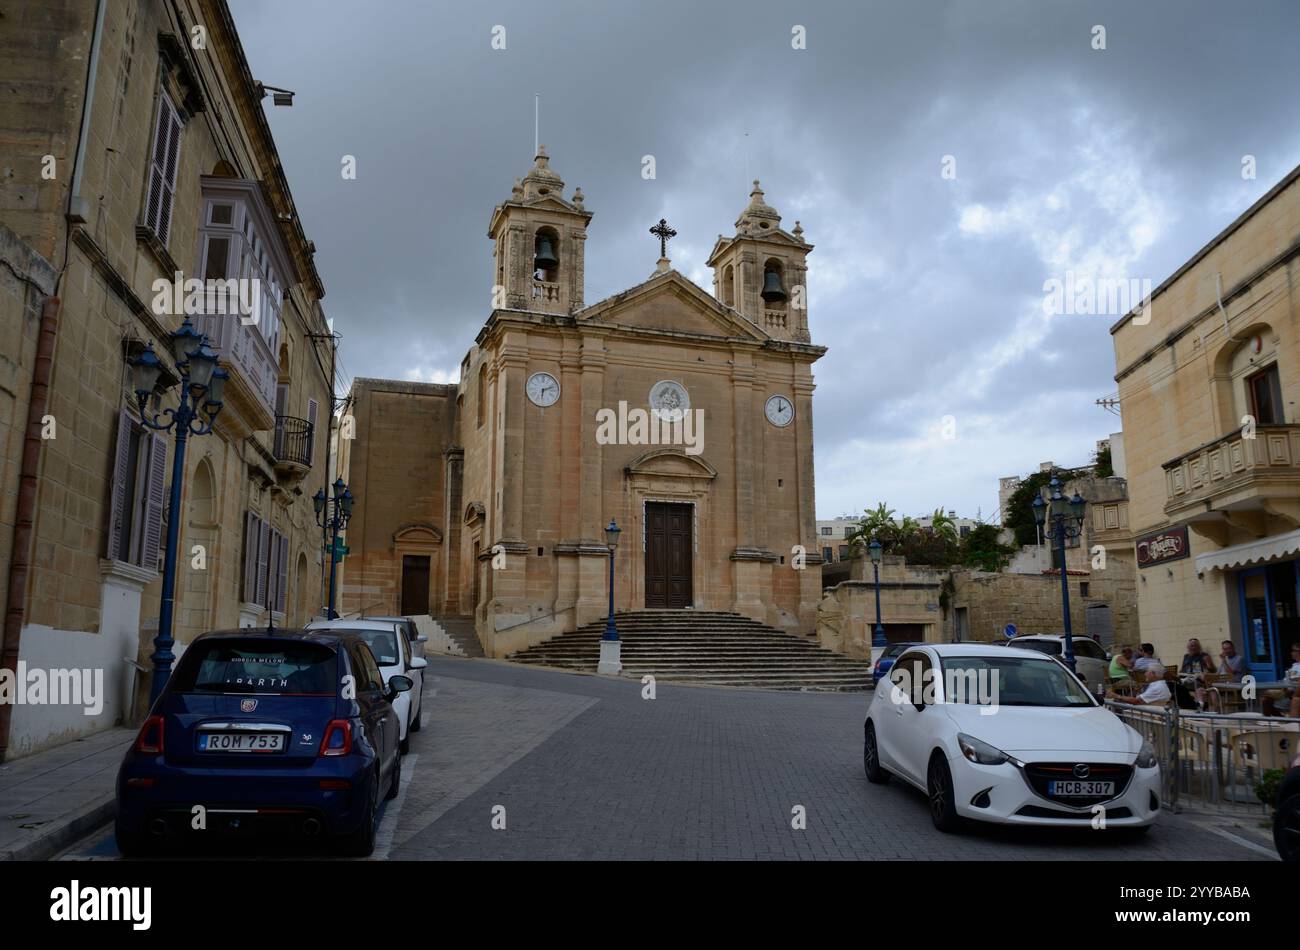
(21, 555)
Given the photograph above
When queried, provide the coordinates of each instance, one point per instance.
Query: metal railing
(293, 440)
(1214, 761)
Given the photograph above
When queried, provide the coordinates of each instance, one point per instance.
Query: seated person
(1275, 701)
(1195, 661)
(1156, 692)
(1121, 664)
(1230, 662)
(1148, 660)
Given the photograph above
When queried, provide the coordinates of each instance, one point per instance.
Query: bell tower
(761, 271)
(539, 243)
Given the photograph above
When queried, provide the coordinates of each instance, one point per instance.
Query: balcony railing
(1234, 469)
(546, 291)
(774, 319)
(293, 444)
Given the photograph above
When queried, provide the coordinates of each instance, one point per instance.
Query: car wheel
(130, 844)
(404, 746)
(1286, 829)
(361, 843)
(396, 783)
(871, 758)
(943, 806)
(419, 720)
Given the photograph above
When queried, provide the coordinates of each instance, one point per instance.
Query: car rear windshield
(1050, 647)
(383, 644)
(1011, 681)
(266, 666)
(895, 649)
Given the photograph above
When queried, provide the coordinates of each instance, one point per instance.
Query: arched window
(774, 291)
(729, 286)
(482, 395)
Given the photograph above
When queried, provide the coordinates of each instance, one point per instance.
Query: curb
(48, 842)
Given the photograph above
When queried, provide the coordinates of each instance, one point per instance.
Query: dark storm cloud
(1117, 163)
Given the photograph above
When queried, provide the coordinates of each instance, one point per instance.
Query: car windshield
(896, 649)
(1011, 681)
(266, 666)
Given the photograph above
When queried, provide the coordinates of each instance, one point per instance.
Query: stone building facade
(684, 417)
(138, 150)
(1208, 379)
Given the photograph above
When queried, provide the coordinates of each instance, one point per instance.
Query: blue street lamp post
(878, 635)
(610, 649)
(1061, 518)
(202, 385)
(333, 515)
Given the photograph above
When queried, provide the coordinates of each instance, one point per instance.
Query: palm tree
(875, 522)
(941, 524)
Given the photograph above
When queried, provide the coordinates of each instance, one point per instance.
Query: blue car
(287, 731)
(886, 659)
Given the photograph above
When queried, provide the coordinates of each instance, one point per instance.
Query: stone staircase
(461, 631)
(707, 647)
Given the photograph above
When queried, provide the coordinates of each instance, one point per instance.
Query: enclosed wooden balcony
(1235, 478)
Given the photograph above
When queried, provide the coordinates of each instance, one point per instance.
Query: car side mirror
(421, 639)
(418, 662)
(398, 684)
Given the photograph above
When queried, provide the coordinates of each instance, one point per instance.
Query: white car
(1091, 662)
(1007, 736)
(392, 652)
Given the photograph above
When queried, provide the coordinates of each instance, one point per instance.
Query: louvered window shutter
(117, 539)
(250, 557)
(155, 500)
(263, 559)
(162, 171)
(312, 411)
(282, 575)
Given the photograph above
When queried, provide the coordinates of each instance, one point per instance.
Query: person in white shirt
(1156, 692)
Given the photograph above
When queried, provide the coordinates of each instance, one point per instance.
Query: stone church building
(684, 417)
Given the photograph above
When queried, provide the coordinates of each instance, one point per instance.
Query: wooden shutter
(263, 559)
(282, 574)
(122, 462)
(162, 170)
(250, 557)
(312, 410)
(153, 502)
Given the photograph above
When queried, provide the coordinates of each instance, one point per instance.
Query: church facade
(683, 417)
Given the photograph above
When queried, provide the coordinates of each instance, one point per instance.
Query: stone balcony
(1236, 480)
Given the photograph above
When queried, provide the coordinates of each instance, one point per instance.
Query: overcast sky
(928, 290)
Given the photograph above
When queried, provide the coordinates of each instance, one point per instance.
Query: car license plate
(241, 741)
(1079, 789)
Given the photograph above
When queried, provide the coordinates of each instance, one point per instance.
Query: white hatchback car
(1007, 736)
(392, 652)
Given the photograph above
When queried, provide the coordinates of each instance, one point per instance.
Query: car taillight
(337, 739)
(877, 666)
(150, 739)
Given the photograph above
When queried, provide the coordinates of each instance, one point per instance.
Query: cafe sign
(1168, 545)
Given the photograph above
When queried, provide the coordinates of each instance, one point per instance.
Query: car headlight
(980, 752)
(1146, 756)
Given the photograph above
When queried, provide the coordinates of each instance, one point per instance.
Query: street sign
(340, 549)
(1010, 630)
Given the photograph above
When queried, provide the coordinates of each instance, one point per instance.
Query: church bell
(773, 292)
(545, 258)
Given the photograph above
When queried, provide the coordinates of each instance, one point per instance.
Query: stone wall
(846, 615)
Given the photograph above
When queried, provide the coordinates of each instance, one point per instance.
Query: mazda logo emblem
(1082, 771)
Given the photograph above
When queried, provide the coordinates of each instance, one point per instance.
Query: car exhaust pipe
(158, 827)
(311, 827)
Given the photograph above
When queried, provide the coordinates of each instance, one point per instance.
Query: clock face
(543, 389)
(779, 411)
(669, 400)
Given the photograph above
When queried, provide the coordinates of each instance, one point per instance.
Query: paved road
(584, 767)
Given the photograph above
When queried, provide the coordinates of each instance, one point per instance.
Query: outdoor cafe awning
(1254, 552)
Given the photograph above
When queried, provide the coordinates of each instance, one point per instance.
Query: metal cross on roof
(663, 232)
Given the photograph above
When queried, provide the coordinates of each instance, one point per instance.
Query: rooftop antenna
(537, 112)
